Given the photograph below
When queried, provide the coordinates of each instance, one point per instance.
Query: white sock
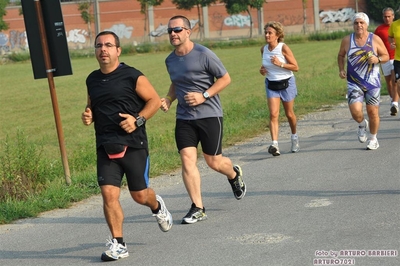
(294, 136)
(395, 103)
(362, 124)
(274, 142)
(372, 136)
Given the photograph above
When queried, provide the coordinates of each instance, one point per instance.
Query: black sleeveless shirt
(111, 94)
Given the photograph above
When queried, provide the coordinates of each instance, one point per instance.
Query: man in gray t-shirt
(197, 76)
(195, 72)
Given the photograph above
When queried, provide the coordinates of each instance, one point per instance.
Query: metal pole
(317, 25)
(97, 16)
(206, 26)
(260, 14)
(50, 78)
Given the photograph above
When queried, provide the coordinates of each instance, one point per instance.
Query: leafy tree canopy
(145, 3)
(3, 4)
(237, 6)
(375, 8)
(189, 4)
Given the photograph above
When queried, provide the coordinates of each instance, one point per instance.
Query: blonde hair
(278, 27)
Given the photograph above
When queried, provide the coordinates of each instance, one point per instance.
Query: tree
(304, 16)
(144, 5)
(237, 6)
(189, 4)
(375, 8)
(84, 7)
(3, 24)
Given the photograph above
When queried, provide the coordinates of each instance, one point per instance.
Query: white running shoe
(116, 251)
(373, 144)
(164, 217)
(295, 145)
(362, 132)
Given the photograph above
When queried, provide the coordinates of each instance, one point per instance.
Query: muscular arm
(171, 96)
(147, 92)
(381, 50)
(87, 115)
(291, 60)
(219, 84)
(342, 52)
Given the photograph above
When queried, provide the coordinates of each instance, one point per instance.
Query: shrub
(23, 172)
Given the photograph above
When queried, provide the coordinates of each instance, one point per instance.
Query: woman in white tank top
(278, 64)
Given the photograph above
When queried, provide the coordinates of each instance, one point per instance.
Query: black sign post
(49, 54)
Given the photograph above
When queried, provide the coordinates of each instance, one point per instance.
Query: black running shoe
(237, 184)
(274, 150)
(394, 110)
(195, 214)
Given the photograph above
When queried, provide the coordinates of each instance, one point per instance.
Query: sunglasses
(176, 29)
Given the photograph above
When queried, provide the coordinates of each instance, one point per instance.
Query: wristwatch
(206, 95)
(140, 121)
(379, 59)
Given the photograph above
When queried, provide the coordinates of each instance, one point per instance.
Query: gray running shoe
(164, 217)
(295, 145)
(116, 251)
(373, 144)
(195, 214)
(394, 110)
(237, 184)
(274, 150)
(362, 132)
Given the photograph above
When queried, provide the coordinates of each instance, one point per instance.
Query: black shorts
(135, 165)
(396, 68)
(207, 131)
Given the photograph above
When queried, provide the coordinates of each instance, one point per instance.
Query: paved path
(333, 198)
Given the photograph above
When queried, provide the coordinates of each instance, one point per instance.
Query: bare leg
(220, 164)
(112, 209)
(356, 111)
(191, 175)
(373, 115)
(289, 111)
(273, 106)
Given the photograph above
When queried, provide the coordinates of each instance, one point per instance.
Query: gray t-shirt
(195, 72)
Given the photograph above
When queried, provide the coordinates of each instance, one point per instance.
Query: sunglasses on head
(176, 29)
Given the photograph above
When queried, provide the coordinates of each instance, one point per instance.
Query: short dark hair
(108, 32)
(185, 20)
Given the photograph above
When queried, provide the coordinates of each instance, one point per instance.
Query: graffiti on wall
(238, 21)
(162, 29)
(3, 42)
(80, 36)
(77, 36)
(18, 40)
(15, 40)
(122, 30)
(230, 21)
(342, 15)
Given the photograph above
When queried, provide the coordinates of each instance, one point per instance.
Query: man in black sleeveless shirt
(120, 100)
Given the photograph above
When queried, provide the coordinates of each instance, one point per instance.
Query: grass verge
(27, 116)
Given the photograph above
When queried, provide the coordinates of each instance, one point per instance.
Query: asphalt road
(333, 203)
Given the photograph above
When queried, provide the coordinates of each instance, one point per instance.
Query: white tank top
(275, 72)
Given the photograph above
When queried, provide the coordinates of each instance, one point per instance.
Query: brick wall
(124, 17)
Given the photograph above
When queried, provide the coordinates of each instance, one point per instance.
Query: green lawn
(26, 107)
